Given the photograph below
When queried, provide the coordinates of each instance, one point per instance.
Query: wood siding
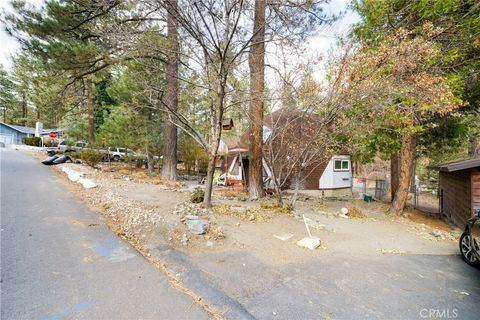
(312, 182)
(310, 179)
(475, 189)
(456, 192)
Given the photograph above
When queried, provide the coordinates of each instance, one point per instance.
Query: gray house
(12, 134)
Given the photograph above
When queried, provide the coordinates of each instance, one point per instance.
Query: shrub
(91, 157)
(50, 142)
(73, 154)
(32, 141)
(197, 195)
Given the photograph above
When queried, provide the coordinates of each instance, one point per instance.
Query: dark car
(470, 241)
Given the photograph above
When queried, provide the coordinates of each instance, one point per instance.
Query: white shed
(337, 173)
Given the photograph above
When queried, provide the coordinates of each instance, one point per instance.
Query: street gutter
(177, 265)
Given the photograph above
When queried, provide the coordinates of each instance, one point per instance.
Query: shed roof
(457, 165)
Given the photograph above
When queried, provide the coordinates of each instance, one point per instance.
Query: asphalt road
(347, 287)
(60, 261)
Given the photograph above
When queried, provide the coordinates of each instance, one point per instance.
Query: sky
(320, 43)
(8, 45)
(325, 38)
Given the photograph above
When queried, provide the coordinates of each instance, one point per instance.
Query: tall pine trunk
(256, 61)
(394, 162)
(24, 108)
(169, 168)
(150, 162)
(407, 157)
(90, 109)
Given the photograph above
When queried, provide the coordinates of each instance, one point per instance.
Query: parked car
(63, 146)
(53, 146)
(51, 150)
(117, 154)
(79, 146)
(67, 145)
(470, 241)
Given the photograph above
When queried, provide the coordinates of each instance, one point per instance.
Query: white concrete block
(309, 243)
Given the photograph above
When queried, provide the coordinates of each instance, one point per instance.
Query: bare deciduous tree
(216, 30)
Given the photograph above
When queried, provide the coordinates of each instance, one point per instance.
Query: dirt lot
(374, 261)
(148, 212)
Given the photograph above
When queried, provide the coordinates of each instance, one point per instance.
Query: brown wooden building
(459, 189)
(286, 131)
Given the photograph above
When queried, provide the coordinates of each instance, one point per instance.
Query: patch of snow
(77, 176)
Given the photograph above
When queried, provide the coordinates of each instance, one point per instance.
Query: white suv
(117, 154)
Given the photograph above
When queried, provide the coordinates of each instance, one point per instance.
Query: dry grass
(140, 175)
(433, 222)
(216, 233)
(230, 193)
(354, 212)
(273, 206)
(177, 234)
(253, 214)
(125, 171)
(143, 177)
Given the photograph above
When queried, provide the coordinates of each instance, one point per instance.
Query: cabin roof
(457, 165)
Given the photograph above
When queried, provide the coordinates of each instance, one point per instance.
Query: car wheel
(116, 158)
(466, 249)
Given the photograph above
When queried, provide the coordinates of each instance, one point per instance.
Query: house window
(341, 165)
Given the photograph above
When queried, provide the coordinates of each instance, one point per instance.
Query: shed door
(6, 138)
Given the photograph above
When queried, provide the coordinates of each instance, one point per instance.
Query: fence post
(415, 197)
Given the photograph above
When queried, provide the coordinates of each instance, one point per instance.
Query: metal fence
(376, 188)
(424, 200)
(419, 198)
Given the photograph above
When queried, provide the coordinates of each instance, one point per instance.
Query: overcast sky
(319, 43)
(8, 45)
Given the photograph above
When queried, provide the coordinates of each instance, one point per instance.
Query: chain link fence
(420, 196)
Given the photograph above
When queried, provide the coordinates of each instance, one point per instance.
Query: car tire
(116, 158)
(466, 249)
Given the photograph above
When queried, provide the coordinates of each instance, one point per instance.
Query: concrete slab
(309, 243)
